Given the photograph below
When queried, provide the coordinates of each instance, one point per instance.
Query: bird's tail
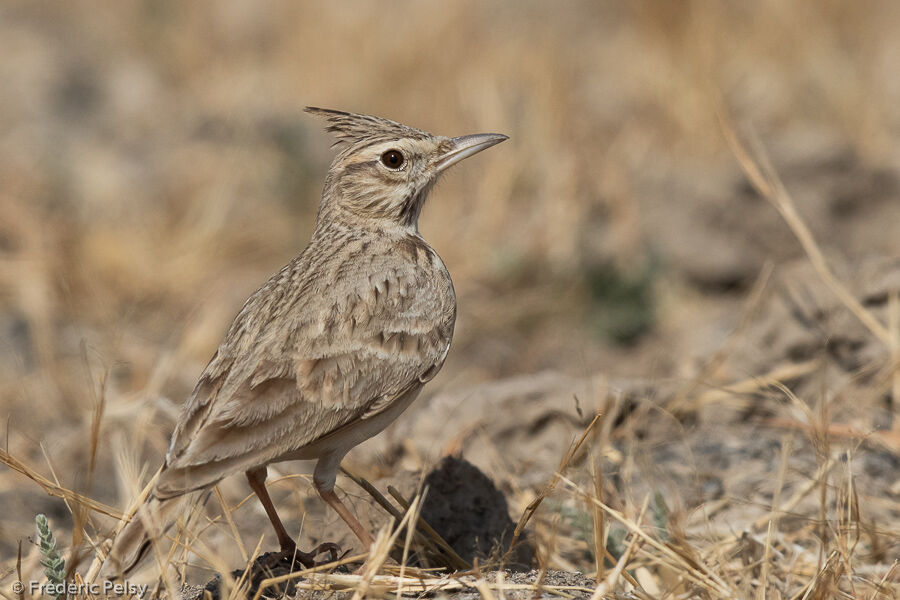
(135, 540)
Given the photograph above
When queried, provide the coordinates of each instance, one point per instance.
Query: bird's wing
(286, 378)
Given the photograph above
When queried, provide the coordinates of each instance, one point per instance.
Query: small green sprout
(54, 565)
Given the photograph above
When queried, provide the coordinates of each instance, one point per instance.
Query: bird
(332, 348)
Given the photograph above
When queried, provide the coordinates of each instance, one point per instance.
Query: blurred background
(156, 167)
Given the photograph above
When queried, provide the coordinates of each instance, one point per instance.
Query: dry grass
(155, 167)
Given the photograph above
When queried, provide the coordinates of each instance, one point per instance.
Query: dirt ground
(613, 259)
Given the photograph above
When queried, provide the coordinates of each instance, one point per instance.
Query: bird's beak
(465, 146)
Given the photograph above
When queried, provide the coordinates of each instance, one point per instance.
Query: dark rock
(471, 514)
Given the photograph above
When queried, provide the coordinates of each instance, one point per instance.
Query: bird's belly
(341, 441)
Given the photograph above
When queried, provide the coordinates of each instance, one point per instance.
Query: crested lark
(333, 347)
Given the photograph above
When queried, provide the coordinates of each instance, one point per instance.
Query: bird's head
(385, 170)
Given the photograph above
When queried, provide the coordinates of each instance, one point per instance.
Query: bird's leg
(257, 479)
(328, 495)
(324, 477)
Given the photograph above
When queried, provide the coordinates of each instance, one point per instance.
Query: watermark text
(71, 588)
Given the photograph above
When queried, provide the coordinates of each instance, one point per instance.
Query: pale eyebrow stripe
(359, 166)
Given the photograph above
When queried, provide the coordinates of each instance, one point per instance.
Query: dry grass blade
(880, 588)
(96, 422)
(432, 537)
(428, 585)
(500, 580)
(681, 402)
(410, 533)
(226, 510)
(273, 581)
(822, 584)
(816, 480)
(691, 569)
(786, 445)
(380, 551)
(619, 570)
(889, 440)
(894, 329)
(484, 589)
(751, 385)
(765, 179)
(446, 549)
(374, 560)
(81, 515)
(548, 489)
(239, 589)
(123, 518)
(598, 521)
(79, 518)
(57, 490)
(848, 519)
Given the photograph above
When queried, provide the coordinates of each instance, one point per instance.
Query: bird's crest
(355, 129)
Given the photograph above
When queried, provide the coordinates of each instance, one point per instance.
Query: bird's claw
(289, 556)
(330, 547)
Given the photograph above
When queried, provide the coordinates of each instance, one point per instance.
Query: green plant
(660, 511)
(54, 565)
(623, 302)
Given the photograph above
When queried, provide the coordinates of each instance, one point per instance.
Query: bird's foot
(308, 559)
(275, 564)
(290, 556)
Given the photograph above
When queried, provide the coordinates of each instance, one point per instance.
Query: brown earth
(610, 259)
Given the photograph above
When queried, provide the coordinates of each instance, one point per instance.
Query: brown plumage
(334, 346)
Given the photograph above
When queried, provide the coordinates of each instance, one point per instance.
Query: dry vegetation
(731, 314)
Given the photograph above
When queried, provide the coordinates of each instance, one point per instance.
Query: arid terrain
(677, 353)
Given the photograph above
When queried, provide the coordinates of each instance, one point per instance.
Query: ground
(720, 331)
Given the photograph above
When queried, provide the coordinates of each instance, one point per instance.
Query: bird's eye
(392, 159)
